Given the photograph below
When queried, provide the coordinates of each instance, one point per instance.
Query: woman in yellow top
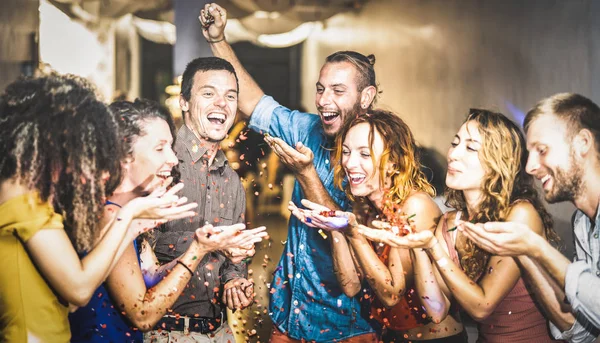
(59, 159)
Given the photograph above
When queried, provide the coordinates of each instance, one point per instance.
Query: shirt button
(295, 302)
(301, 246)
(596, 235)
(598, 273)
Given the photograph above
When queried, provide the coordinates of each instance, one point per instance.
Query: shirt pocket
(226, 216)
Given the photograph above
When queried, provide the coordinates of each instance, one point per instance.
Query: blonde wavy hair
(399, 149)
(503, 156)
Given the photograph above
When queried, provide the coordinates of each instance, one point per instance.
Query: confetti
(323, 234)
(327, 213)
(401, 224)
(456, 227)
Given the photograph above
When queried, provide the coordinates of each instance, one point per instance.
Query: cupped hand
(297, 159)
(384, 234)
(229, 237)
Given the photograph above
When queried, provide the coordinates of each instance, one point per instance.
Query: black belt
(189, 324)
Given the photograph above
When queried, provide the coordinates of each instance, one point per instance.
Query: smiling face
(337, 95)
(552, 159)
(360, 166)
(212, 107)
(465, 170)
(152, 158)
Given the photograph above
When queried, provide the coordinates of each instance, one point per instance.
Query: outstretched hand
(321, 217)
(159, 207)
(297, 159)
(384, 234)
(230, 237)
(500, 238)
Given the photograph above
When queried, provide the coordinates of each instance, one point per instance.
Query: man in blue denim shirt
(306, 300)
(563, 139)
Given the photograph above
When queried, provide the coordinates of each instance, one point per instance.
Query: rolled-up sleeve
(582, 291)
(263, 113)
(291, 126)
(230, 271)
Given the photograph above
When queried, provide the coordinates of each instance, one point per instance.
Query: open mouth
(217, 118)
(356, 179)
(546, 181)
(329, 117)
(163, 174)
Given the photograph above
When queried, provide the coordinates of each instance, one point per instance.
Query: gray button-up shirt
(221, 201)
(582, 281)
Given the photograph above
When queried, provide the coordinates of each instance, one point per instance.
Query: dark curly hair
(131, 115)
(504, 157)
(60, 141)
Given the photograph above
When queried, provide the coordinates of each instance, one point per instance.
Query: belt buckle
(186, 325)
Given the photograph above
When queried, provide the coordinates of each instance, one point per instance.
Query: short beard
(354, 112)
(567, 184)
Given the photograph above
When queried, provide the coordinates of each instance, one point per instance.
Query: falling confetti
(323, 234)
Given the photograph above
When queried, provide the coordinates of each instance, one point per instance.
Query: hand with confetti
(238, 254)
(502, 238)
(156, 208)
(213, 19)
(321, 217)
(229, 237)
(297, 159)
(384, 233)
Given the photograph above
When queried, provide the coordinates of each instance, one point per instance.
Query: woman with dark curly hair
(376, 162)
(486, 181)
(59, 160)
(139, 295)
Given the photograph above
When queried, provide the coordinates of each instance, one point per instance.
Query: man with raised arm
(307, 302)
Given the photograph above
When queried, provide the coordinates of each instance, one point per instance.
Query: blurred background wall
(19, 27)
(438, 58)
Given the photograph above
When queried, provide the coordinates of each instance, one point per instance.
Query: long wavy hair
(59, 140)
(399, 149)
(133, 115)
(503, 156)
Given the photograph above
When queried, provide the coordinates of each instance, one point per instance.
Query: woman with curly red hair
(378, 165)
